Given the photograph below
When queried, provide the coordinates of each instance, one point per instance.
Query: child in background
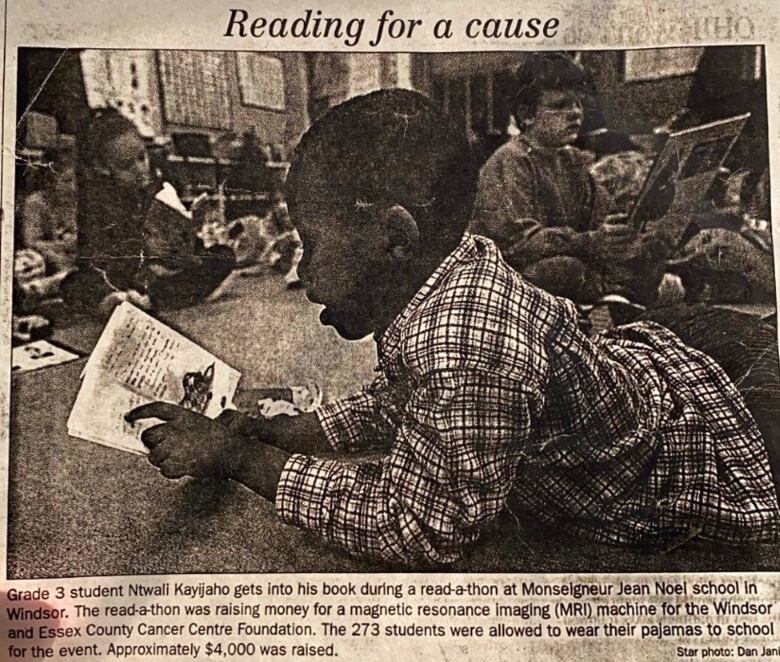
(48, 215)
(537, 200)
(487, 392)
(130, 245)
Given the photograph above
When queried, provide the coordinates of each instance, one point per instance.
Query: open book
(138, 360)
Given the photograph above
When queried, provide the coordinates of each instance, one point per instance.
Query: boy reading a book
(486, 389)
(132, 246)
(537, 200)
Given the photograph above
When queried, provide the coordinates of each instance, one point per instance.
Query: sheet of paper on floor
(38, 354)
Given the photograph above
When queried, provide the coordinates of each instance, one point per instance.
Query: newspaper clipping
(385, 330)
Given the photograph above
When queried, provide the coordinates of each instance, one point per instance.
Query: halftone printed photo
(388, 332)
(489, 312)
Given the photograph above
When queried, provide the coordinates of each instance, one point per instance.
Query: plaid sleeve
(345, 421)
(357, 422)
(452, 464)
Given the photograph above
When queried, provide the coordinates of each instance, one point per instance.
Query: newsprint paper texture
(567, 429)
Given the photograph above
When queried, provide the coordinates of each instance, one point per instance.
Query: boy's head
(112, 146)
(549, 89)
(381, 186)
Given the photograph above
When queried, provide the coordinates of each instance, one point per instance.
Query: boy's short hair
(390, 147)
(540, 72)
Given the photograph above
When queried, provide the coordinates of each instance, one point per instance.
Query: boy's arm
(602, 204)
(293, 434)
(452, 464)
(348, 425)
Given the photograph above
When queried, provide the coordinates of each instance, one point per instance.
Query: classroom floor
(270, 333)
(273, 336)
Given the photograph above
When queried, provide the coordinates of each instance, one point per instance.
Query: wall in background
(316, 81)
(336, 77)
(201, 91)
(50, 81)
(634, 106)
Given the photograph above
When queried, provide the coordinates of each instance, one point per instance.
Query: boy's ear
(400, 231)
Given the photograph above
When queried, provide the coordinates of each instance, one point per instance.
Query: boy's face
(127, 161)
(341, 267)
(558, 118)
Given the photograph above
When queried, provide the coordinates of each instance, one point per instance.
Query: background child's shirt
(533, 203)
(110, 234)
(488, 391)
(48, 225)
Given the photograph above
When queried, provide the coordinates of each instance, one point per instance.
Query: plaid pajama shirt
(488, 394)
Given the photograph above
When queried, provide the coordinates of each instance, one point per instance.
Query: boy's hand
(142, 301)
(188, 443)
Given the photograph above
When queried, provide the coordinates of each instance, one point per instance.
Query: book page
(110, 428)
(137, 360)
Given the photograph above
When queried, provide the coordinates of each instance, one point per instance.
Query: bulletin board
(195, 89)
(261, 78)
(125, 80)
